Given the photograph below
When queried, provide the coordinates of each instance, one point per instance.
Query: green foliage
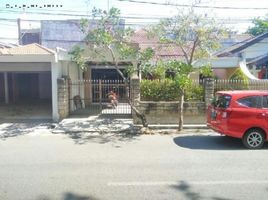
(105, 34)
(169, 90)
(159, 90)
(239, 80)
(146, 54)
(238, 75)
(260, 26)
(206, 71)
(195, 93)
(197, 36)
(173, 70)
(77, 57)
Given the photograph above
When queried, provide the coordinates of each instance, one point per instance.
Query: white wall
(24, 67)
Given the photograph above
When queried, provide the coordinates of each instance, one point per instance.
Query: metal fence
(224, 84)
(91, 96)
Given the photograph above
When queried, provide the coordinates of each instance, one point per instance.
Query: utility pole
(19, 31)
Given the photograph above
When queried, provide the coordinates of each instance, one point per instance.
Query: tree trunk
(137, 112)
(180, 109)
(140, 115)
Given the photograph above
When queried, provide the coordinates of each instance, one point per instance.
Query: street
(40, 165)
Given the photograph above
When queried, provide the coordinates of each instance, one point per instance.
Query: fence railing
(222, 84)
(93, 94)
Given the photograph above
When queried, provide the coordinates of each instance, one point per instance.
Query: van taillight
(226, 113)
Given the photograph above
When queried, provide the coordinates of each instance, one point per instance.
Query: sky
(235, 14)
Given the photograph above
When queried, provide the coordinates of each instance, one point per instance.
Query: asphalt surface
(40, 165)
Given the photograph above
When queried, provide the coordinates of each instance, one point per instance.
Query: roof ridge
(242, 45)
(45, 48)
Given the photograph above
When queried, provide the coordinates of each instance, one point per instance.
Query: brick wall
(167, 112)
(63, 98)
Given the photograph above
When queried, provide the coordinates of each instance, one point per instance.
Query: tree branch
(116, 63)
(184, 53)
(193, 50)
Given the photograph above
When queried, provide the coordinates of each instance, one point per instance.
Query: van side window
(252, 101)
(223, 101)
(265, 102)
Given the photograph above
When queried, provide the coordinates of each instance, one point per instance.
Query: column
(54, 77)
(209, 90)
(6, 88)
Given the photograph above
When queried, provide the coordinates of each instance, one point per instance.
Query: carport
(28, 83)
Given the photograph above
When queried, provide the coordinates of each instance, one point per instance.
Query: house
(28, 76)
(29, 36)
(249, 55)
(233, 38)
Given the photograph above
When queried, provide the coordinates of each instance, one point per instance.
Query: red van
(240, 114)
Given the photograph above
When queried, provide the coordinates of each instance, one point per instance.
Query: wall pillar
(6, 88)
(134, 88)
(135, 95)
(63, 97)
(209, 90)
(54, 77)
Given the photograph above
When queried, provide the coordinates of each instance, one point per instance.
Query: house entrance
(92, 97)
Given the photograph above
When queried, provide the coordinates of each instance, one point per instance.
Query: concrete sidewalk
(110, 125)
(93, 124)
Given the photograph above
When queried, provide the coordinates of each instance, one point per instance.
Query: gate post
(134, 94)
(209, 90)
(63, 101)
(69, 82)
(134, 89)
(100, 94)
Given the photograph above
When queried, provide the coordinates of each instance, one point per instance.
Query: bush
(168, 90)
(159, 90)
(195, 93)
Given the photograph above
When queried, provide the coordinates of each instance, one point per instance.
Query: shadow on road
(13, 128)
(83, 138)
(99, 129)
(189, 193)
(69, 196)
(207, 142)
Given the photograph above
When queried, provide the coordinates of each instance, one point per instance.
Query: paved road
(39, 165)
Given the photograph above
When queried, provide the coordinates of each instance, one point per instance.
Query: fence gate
(90, 97)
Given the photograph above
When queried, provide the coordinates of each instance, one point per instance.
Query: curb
(172, 126)
(132, 128)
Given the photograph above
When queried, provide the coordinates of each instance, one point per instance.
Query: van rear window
(222, 101)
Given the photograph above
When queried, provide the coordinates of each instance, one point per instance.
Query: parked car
(240, 114)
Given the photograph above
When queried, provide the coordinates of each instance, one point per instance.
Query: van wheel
(253, 139)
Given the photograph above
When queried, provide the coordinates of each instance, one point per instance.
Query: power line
(195, 6)
(234, 20)
(144, 17)
(46, 13)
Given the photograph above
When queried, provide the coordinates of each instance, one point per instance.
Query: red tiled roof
(162, 50)
(30, 49)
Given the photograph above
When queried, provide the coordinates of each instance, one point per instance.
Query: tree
(196, 36)
(107, 39)
(260, 26)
